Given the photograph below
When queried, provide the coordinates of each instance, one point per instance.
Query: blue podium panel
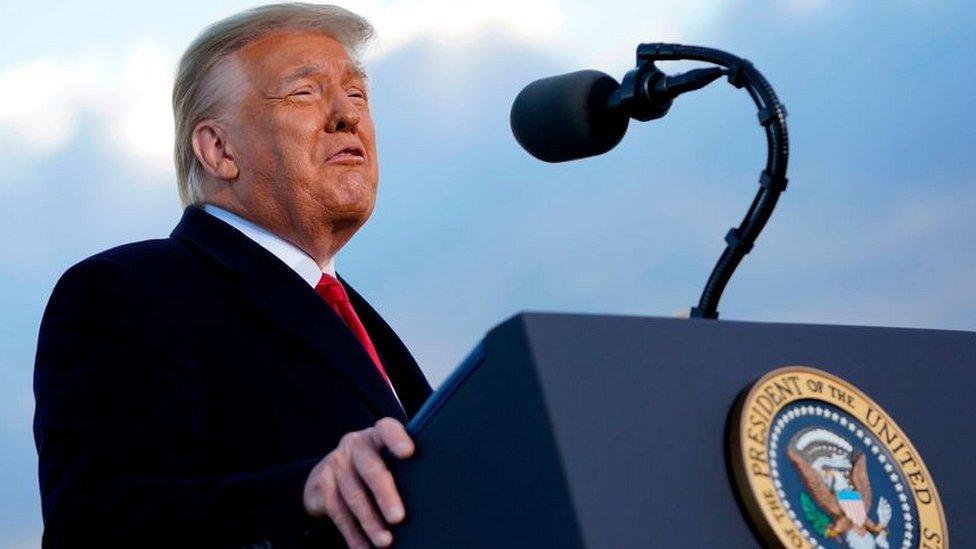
(593, 431)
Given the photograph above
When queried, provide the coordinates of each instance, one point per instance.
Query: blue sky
(877, 227)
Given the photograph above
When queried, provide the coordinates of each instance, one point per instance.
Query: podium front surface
(612, 432)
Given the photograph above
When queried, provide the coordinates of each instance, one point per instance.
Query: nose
(344, 116)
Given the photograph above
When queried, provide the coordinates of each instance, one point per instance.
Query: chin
(351, 212)
(354, 192)
(348, 221)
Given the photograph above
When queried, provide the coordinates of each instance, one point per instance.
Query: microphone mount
(646, 93)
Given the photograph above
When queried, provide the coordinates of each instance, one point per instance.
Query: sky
(876, 228)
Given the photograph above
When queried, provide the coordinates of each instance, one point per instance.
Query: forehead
(282, 55)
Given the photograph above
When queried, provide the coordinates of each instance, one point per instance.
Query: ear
(213, 151)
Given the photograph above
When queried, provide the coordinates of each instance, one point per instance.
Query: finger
(313, 495)
(354, 493)
(378, 478)
(391, 433)
(342, 517)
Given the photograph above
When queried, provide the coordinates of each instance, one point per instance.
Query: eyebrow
(310, 70)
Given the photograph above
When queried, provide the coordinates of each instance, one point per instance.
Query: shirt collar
(288, 253)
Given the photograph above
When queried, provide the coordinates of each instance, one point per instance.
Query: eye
(302, 92)
(357, 94)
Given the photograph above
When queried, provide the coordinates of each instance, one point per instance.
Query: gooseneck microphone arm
(586, 113)
(772, 180)
(772, 116)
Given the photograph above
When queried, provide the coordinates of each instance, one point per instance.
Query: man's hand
(352, 482)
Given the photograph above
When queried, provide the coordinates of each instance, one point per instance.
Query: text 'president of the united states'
(224, 386)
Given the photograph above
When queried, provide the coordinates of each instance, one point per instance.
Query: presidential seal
(819, 464)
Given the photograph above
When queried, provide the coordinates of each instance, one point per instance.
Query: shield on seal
(853, 506)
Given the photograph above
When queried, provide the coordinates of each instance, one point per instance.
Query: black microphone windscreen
(566, 117)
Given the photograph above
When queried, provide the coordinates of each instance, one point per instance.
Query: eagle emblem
(838, 500)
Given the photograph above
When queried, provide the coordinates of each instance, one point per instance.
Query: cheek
(367, 130)
(274, 138)
(299, 142)
(367, 134)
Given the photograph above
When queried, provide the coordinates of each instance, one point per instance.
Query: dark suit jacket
(185, 387)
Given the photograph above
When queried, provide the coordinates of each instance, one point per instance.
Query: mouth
(348, 155)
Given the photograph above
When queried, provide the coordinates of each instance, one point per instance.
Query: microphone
(586, 113)
(567, 117)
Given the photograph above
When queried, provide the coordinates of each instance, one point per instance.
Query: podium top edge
(532, 316)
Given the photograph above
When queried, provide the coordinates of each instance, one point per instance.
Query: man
(222, 387)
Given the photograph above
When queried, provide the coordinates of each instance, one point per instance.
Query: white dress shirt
(288, 253)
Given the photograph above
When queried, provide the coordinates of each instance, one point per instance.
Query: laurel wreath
(817, 519)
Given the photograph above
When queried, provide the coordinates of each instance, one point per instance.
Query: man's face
(303, 136)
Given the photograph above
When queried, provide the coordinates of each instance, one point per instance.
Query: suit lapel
(279, 293)
(403, 370)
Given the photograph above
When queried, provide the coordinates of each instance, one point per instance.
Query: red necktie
(335, 295)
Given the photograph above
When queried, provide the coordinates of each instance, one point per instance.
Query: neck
(321, 241)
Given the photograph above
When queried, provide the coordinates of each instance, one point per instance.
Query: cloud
(144, 124)
(574, 32)
(42, 103)
(33, 112)
(449, 22)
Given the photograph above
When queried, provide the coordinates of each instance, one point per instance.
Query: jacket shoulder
(140, 290)
(162, 263)
(160, 254)
(155, 274)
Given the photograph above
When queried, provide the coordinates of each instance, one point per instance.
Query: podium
(569, 431)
